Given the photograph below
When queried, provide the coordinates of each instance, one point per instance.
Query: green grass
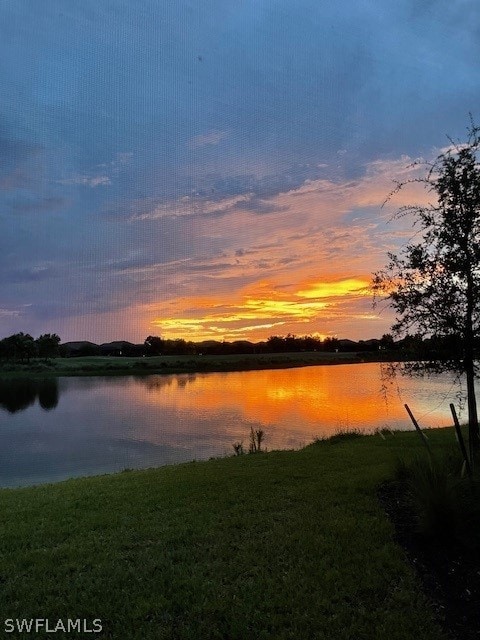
(289, 544)
(104, 365)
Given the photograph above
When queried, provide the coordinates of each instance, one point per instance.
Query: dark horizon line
(136, 344)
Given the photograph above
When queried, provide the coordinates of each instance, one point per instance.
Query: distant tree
(275, 344)
(414, 348)
(4, 349)
(291, 342)
(7, 348)
(330, 344)
(310, 343)
(48, 345)
(433, 284)
(154, 345)
(19, 346)
(387, 341)
(28, 348)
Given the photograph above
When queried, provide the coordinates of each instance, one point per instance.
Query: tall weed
(446, 505)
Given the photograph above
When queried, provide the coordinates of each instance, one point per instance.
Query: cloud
(215, 195)
(101, 175)
(88, 181)
(262, 306)
(9, 313)
(35, 273)
(301, 267)
(285, 192)
(349, 286)
(206, 207)
(207, 139)
(314, 251)
(268, 160)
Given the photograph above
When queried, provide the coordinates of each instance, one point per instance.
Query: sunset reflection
(307, 401)
(85, 426)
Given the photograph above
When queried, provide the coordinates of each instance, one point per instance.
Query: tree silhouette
(19, 346)
(434, 283)
(48, 345)
(154, 345)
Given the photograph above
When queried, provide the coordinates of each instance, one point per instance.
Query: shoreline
(149, 547)
(158, 365)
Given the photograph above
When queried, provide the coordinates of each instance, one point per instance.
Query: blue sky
(216, 168)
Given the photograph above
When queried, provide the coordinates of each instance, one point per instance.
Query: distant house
(79, 348)
(346, 345)
(369, 345)
(116, 348)
(121, 348)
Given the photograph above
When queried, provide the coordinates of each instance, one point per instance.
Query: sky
(216, 169)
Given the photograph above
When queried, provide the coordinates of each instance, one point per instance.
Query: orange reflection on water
(313, 400)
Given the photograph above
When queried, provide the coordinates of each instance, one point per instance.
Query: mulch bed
(451, 580)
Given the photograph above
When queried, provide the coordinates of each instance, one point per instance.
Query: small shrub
(344, 434)
(256, 438)
(238, 448)
(338, 436)
(433, 490)
(446, 505)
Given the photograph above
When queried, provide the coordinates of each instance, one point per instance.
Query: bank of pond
(54, 428)
(284, 545)
(167, 364)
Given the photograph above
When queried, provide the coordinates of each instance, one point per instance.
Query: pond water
(65, 427)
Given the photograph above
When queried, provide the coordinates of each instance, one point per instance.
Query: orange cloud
(350, 286)
(256, 315)
(301, 265)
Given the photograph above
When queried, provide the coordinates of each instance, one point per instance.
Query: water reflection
(60, 428)
(317, 399)
(18, 394)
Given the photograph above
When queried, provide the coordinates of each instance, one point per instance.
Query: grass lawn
(104, 365)
(277, 545)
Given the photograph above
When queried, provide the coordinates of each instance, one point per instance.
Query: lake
(60, 428)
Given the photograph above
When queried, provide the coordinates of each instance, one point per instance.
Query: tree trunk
(473, 428)
(469, 352)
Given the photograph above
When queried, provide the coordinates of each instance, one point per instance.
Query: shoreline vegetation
(21, 354)
(177, 364)
(284, 545)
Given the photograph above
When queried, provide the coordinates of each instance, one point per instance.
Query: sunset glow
(160, 174)
(258, 318)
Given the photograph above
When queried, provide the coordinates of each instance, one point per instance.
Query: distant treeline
(22, 347)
